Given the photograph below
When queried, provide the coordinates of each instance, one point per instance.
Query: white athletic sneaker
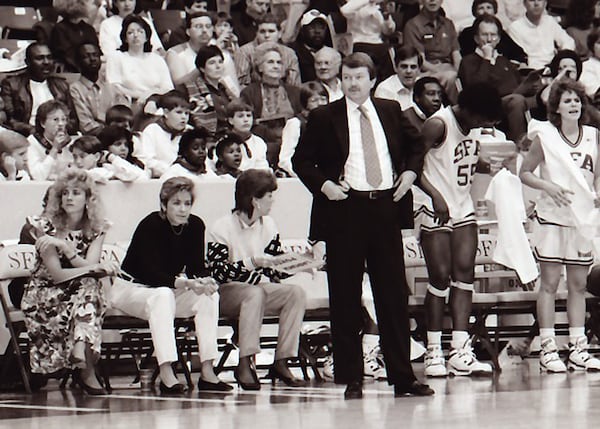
(580, 359)
(549, 359)
(462, 361)
(374, 365)
(435, 363)
(328, 367)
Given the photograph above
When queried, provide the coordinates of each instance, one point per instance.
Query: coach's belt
(371, 195)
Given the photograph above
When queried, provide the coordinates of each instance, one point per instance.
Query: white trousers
(159, 306)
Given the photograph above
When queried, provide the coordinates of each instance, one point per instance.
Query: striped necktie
(372, 166)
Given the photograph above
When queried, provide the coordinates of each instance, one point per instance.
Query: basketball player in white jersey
(556, 239)
(448, 229)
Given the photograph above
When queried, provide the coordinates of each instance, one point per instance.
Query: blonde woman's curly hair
(93, 222)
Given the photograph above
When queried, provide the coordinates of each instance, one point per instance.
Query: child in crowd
(229, 156)
(241, 118)
(120, 115)
(117, 147)
(87, 151)
(13, 156)
(312, 95)
(159, 142)
(191, 159)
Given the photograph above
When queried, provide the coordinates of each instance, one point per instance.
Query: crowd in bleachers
(225, 88)
(255, 70)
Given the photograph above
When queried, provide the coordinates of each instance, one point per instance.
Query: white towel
(512, 246)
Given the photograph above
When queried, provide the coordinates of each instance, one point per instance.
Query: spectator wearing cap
(507, 47)
(399, 87)
(268, 32)
(328, 63)
(314, 34)
(367, 25)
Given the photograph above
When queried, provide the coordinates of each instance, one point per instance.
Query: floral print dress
(59, 315)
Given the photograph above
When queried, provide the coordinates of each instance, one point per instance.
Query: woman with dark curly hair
(134, 68)
(64, 303)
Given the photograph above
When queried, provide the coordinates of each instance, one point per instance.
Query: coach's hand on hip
(403, 184)
(333, 191)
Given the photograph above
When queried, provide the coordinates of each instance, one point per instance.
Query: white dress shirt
(354, 170)
(538, 41)
(393, 89)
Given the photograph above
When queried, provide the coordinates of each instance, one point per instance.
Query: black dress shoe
(414, 389)
(354, 390)
(204, 385)
(176, 389)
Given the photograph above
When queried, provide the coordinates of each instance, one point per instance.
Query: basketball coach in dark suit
(359, 157)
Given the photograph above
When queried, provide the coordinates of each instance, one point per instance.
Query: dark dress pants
(367, 231)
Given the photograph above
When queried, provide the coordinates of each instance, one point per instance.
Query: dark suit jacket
(18, 101)
(323, 150)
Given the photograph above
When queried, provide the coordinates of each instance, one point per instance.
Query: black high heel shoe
(255, 385)
(274, 375)
(89, 390)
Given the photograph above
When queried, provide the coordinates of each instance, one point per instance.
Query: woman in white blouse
(111, 28)
(137, 70)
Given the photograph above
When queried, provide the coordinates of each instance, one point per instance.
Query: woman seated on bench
(166, 256)
(63, 305)
(241, 250)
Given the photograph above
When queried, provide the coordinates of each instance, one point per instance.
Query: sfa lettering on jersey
(464, 148)
(468, 149)
(584, 161)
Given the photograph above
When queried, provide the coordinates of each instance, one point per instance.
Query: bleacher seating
(17, 22)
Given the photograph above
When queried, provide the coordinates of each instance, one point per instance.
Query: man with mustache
(359, 157)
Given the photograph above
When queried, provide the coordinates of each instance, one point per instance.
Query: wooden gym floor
(519, 397)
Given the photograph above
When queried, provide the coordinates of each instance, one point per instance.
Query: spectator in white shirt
(134, 68)
(399, 87)
(539, 34)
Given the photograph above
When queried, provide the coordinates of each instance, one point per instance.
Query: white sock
(576, 333)
(459, 338)
(434, 338)
(547, 333)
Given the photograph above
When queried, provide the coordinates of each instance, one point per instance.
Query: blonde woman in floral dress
(64, 303)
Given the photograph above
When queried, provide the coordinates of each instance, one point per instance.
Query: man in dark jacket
(23, 93)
